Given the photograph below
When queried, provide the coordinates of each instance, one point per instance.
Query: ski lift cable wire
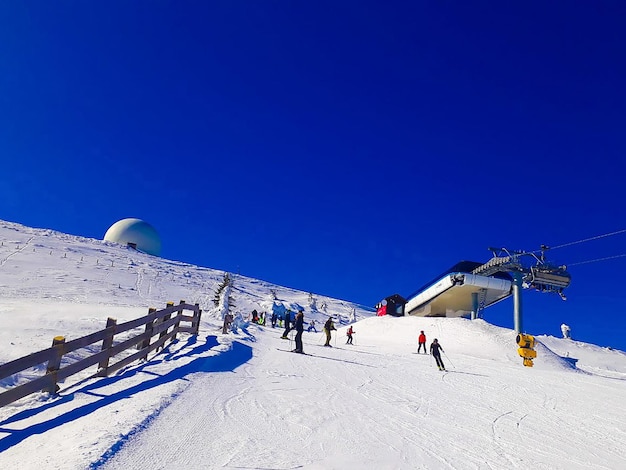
(588, 239)
(597, 259)
(583, 241)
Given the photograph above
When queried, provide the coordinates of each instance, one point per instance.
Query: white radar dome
(137, 233)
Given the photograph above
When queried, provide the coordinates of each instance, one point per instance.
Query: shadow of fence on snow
(224, 362)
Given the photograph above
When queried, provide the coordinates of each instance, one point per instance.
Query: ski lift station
(469, 287)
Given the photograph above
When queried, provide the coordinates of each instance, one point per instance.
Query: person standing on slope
(328, 327)
(349, 333)
(421, 341)
(299, 330)
(287, 324)
(435, 347)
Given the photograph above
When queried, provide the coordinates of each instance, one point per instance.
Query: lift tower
(537, 274)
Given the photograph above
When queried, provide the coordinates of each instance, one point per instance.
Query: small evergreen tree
(220, 288)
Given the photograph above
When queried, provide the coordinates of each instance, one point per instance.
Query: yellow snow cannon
(526, 344)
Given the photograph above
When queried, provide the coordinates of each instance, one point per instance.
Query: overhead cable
(588, 239)
(598, 259)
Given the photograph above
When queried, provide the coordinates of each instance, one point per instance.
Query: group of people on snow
(297, 324)
(257, 318)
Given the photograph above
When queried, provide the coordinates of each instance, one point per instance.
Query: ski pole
(444, 353)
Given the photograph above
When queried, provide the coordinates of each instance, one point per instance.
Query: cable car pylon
(538, 274)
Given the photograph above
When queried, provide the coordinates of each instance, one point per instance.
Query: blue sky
(352, 149)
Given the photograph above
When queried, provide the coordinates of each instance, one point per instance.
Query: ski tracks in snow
(282, 407)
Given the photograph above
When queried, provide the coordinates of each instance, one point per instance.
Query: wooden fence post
(177, 325)
(164, 319)
(55, 363)
(148, 333)
(107, 342)
(195, 324)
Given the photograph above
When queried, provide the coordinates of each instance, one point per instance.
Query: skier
(287, 324)
(565, 329)
(435, 347)
(328, 327)
(421, 342)
(299, 329)
(274, 319)
(312, 326)
(349, 333)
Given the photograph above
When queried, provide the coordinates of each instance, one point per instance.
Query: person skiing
(435, 347)
(349, 333)
(299, 327)
(328, 327)
(287, 324)
(421, 341)
(274, 319)
(312, 326)
(565, 329)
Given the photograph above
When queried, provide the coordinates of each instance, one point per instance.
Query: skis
(286, 350)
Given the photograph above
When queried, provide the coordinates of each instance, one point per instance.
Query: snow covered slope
(241, 401)
(81, 281)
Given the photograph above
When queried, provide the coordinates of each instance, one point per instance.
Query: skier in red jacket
(422, 342)
(349, 333)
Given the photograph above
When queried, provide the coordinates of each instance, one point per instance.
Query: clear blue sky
(354, 149)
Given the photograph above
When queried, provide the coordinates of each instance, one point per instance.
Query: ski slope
(240, 401)
(377, 405)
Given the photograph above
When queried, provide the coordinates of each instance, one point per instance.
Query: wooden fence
(160, 323)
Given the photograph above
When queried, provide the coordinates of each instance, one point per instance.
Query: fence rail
(165, 323)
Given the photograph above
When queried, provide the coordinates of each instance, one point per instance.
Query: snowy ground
(238, 401)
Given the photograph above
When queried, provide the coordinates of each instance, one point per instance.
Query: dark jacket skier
(287, 324)
(435, 347)
(299, 330)
(328, 327)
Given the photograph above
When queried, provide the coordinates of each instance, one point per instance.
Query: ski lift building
(392, 305)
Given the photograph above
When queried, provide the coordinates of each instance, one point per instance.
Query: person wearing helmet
(435, 347)
(421, 341)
